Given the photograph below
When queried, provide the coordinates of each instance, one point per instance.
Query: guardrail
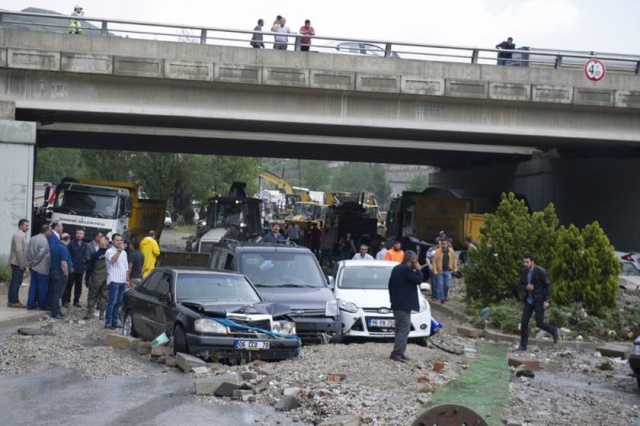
(523, 57)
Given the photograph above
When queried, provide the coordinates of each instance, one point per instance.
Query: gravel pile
(575, 387)
(73, 343)
(355, 379)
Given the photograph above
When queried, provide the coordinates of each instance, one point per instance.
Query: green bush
(585, 269)
(506, 237)
(5, 273)
(582, 265)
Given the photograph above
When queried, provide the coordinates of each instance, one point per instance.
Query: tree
(53, 164)
(380, 184)
(505, 237)
(585, 269)
(316, 175)
(419, 183)
(353, 177)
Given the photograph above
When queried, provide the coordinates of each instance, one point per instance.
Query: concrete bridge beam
(17, 159)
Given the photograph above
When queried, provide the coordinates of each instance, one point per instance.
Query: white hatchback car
(361, 288)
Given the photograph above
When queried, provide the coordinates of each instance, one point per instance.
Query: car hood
(298, 297)
(378, 298)
(222, 308)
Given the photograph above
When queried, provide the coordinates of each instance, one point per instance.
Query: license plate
(382, 323)
(252, 345)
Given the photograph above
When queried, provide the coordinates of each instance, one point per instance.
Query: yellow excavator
(301, 208)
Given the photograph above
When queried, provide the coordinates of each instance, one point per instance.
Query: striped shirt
(116, 271)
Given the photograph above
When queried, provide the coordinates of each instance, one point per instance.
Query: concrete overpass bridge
(60, 90)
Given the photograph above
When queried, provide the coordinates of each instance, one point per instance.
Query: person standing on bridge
(504, 56)
(151, 250)
(256, 40)
(307, 30)
(279, 26)
(75, 25)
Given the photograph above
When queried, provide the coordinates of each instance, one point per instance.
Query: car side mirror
(330, 282)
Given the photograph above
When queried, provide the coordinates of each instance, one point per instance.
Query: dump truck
(107, 206)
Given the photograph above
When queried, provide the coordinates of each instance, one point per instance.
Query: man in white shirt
(363, 255)
(117, 277)
(383, 251)
(293, 232)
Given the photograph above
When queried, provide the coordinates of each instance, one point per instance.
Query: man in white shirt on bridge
(279, 26)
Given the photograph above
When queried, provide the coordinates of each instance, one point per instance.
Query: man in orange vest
(396, 254)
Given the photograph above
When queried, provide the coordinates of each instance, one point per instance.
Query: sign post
(595, 70)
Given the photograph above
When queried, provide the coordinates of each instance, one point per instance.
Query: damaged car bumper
(242, 348)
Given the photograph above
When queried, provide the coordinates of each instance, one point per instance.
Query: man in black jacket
(537, 294)
(403, 291)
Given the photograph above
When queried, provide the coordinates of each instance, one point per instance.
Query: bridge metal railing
(523, 57)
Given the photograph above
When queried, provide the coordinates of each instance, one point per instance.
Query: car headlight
(207, 325)
(331, 309)
(284, 327)
(347, 306)
(636, 349)
(424, 305)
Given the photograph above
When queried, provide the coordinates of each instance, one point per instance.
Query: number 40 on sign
(594, 69)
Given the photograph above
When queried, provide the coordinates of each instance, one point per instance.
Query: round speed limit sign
(594, 69)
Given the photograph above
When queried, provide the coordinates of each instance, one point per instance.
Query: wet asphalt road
(55, 397)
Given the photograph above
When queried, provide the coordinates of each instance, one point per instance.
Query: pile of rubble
(329, 384)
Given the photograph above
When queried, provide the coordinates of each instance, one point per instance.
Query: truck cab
(108, 207)
(93, 208)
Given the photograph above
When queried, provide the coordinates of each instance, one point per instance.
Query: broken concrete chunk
(186, 362)
(120, 341)
(348, 420)
(614, 351)
(286, 403)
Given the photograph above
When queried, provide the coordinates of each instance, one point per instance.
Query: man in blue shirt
(58, 276)
(504, 57)
(274, 236)
(404, 282)
(537, 295)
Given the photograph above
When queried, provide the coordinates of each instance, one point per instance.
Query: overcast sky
(586, 25)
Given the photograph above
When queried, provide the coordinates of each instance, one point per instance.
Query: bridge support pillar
(582, 190)
(17, 160)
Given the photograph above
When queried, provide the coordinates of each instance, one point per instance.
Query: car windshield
(282, 269)
(213, 286)
(364, 277)
(629, 268)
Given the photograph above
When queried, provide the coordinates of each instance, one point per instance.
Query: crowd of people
(59, 266)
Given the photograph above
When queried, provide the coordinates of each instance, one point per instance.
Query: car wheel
(180, 340)
(127, 327)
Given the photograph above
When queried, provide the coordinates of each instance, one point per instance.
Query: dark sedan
(215, 315)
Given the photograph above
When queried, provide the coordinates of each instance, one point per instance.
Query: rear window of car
(276, 269)
(214, 287)
(364, 277)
